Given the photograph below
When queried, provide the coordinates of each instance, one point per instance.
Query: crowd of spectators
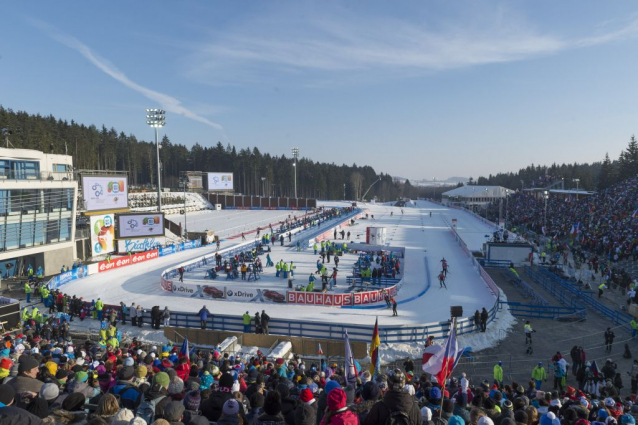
(602, 225)
(44, 381)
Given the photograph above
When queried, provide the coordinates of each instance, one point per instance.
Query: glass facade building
(32, 217)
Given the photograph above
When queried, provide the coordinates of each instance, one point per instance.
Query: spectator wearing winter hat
(482, 420)
(174, 412)
(288, 404)
(306, 411)
(192, 400)
(158, 393)
(395, 400)
(5, 367)
(256, 407)
(176, 388)
(230, 413)
(322, 402)
(370, 394)
(71, 410)
(549, 418)
(272, 410)
(521, 418)
(130, 396)
(338, 412)
(26, 379)
(212, 406)
(11, 414)
(79, 384)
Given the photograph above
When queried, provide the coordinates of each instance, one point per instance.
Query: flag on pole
(320, 351)
(439, 361)
(374, 350)
(184, 351)
(351, 369)
(449, 355)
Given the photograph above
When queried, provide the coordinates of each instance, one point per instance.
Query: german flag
(375, 364)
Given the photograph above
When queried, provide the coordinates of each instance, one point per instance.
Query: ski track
(419, 233)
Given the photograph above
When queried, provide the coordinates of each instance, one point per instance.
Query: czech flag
(375, 364)
(320, 351)
(184, 351)
(442, 362)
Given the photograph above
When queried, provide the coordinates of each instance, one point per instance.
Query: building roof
(472, 191)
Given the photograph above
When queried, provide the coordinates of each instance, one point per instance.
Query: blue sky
(418, 89)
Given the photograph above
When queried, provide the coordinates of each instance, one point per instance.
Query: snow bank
(229, 344)
(281, 350)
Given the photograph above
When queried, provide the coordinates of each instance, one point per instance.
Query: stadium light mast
(577, 181)
(156, 118)
(295, 155)
(546, 196)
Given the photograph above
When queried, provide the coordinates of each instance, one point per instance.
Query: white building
(472, 197)
(38, 197)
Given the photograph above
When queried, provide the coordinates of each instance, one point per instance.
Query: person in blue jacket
(203, 316)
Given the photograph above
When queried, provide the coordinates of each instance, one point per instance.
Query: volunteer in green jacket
(27, 291)
(539, 375)
(247, 319)
(498, 374)
(99, 306)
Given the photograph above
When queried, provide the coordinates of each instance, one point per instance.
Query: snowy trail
(419, 233)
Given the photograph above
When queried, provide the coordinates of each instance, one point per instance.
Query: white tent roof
(471, 191)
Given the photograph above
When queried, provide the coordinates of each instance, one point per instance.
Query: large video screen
(130, 226)
(220, 181)
(102, 233)
(105, 193)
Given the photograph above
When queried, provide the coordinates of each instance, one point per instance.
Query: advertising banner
(140, 225)
(137, 245)
(355, 298)
(116, 263)
(102, 233)
(105, 193)
(221, 293)
(220, 181)
(172, 249)
(66, 277)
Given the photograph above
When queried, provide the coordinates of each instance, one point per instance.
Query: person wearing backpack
(397, 406)
(156, 398)
(129, 396)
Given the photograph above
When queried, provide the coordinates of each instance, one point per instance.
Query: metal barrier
(587, 297)
(544, 311)
(494, 264)
(524, 288)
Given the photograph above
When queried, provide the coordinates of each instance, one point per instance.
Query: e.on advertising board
(142, 225)
(105, 193)
(104, 266)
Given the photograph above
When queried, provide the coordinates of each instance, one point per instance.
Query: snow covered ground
(425, 239)
(233, 222)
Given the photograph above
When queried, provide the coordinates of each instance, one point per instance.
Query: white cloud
(167, 102)
(342, 45)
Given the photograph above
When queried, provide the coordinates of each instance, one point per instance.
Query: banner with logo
(223, 293)
(141, 225)
(137, 245)
(105, 193)
(328, 299)
(102, 233)
(66, 277)
(127, 260)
